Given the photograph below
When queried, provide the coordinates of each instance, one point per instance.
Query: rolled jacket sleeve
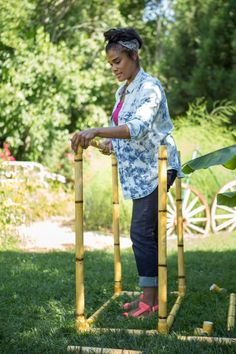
(146, 112)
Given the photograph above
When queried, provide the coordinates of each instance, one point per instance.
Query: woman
(140, 122)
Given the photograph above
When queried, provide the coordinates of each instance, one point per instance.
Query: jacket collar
(133, 83)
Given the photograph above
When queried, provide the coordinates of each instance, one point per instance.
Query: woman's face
(122, 66)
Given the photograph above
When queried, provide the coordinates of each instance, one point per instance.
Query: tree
(199, 52)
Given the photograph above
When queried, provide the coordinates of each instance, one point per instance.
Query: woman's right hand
(106, 147)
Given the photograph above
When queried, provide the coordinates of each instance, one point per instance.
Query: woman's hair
(114, 35)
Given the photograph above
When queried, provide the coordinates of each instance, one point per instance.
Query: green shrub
(27, 201)
(98, 194)
(203, 131)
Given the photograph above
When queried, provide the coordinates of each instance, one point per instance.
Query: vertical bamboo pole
(116, 226)
(231, 312)
(180, 239)
(79, 240)
(162, 246)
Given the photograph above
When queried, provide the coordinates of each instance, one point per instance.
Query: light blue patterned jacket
(146, 114)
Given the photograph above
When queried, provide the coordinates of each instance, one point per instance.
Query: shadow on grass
(37, 293)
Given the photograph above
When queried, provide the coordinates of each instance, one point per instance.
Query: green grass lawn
(37, 292)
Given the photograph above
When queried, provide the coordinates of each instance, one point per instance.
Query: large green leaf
(225, 157)
(227, 198)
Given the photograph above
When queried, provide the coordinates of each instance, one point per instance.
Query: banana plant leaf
(225, 157)
(227, 198)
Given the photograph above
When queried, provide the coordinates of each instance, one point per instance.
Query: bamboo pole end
(81, 324)
(162, 327)
(79, 151)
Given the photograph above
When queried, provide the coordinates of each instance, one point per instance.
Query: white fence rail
(20, 171)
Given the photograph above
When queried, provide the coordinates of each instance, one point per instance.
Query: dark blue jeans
(144, 235)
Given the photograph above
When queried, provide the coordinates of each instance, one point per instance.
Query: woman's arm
(83, 137)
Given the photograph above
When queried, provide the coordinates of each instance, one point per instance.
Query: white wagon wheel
(196, 212)
(223, 218)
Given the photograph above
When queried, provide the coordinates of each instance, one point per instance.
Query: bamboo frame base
(211, 340)
(84, 324)
(79, 349)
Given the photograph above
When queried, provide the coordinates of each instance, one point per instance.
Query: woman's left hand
(83, 138)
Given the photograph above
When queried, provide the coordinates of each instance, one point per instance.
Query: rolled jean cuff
(148, 282)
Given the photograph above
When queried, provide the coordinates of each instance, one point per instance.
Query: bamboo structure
(180, 240)
(162, 243)
(79, 349)
(93, 318)
(172, 315)
(231, 312)
(79, 244)
(116, 223)
(164, 322)
(210, 340)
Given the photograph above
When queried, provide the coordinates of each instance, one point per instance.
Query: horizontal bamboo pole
(100, 146)
(218, 340)
(231, 312)
(92, 318)
(122, 330)
(173, 312)
(211, 340)
(79, 349)
(130, 293)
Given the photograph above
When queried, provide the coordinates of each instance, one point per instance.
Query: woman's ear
(135, 56)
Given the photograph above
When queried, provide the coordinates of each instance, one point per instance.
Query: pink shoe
(142, 309)
(132, 304)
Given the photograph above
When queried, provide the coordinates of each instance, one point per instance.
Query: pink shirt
(116, 112)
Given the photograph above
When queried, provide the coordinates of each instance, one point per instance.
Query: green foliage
(26, 201)
(98, 195)
(228, 199)
(225, 156)
(200, 131)
(199, 52)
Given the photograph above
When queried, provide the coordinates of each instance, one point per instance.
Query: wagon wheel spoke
(189, 232)
(223, 216)
(196, 211)
(186, 198)
(170, 210)
(191, 205)
(232, 227)
(224, 207)
(197, 219)
(196, 228)
(172, 202)
(170, 231)
(225, 224)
